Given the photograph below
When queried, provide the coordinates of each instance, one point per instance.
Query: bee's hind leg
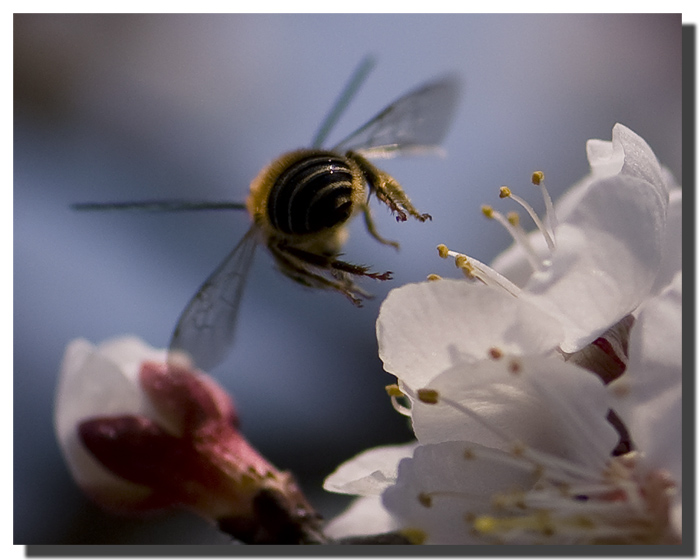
(298, 264)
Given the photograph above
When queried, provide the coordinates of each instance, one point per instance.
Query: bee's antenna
(356, 80)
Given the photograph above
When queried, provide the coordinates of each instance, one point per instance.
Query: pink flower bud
(176, 445)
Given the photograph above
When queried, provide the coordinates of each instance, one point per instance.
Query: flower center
(620, 504)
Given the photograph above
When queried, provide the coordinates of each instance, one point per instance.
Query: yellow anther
(469, 454)
(414, 535)
(513, 218)
(486, 524)
(461, 261)
(504, 192)
(539, 522)
(428, 396)
(495, 353)
(394, 391)
(443, 251)
(434, 277)
(487, 211)
(537, 177)
(426, 500)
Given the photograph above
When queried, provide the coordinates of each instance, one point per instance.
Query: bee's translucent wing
(416, 122)
(206, 327)
(356, 80)
(172, 205)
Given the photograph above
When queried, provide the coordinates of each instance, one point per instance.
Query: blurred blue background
(129, 107)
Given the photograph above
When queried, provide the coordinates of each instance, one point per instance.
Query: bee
(300, 205)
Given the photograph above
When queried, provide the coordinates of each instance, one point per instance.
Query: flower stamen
(428, 396)
(395, 393)
(505, 192)
(474, 269)
(563, 499)
(550, 214)
(512, 225)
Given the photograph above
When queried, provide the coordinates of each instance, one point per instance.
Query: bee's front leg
(387, 190)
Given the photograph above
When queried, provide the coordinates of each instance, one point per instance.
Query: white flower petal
(92, 382)
(640, 160)
(514, 265)
(649, 393)
(455, 486)
(129, 352)
(364, 516)
(672, 258)
(423, 329)
(606, 158)
(607, 258)
(548, 405)
(370, 472)
(609, 243)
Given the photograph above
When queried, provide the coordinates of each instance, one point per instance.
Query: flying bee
(300, 205)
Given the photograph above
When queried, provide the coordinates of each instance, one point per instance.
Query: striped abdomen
(312, 194)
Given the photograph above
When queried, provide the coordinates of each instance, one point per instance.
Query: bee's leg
(388, 190)
(358, 270)
(332, 263)
(372, 228)
(294, 264)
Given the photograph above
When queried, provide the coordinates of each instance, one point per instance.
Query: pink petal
(187, 400)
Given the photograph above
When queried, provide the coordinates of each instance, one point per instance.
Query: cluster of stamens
(567, 503)
(476, 270)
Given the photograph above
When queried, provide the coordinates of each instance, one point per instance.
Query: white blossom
(515, 444)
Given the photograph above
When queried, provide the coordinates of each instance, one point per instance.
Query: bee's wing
(160, 205)
(206, 327)
(416, 122)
